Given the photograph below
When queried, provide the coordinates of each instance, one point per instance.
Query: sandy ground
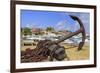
(72, 53)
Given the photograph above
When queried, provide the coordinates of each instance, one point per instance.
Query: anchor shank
(69, 36)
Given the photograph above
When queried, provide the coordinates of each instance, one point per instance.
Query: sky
(57, 20)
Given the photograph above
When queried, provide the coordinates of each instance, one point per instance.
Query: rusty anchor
(52, 49)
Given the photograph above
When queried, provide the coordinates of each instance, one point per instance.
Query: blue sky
(57, 20)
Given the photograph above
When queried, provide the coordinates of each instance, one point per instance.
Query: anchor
(52, 49)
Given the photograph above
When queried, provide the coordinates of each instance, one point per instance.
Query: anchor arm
(81, 30)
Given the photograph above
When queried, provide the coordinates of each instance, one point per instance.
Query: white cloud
(60, 25)
(64, 25)
(30, 25)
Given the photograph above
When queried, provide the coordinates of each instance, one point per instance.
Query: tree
(49, 29)
(26, 31)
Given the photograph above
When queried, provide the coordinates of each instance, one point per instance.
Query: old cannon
(52, 49)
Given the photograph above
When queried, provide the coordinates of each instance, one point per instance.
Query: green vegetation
(49, 29)
(26, 31)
